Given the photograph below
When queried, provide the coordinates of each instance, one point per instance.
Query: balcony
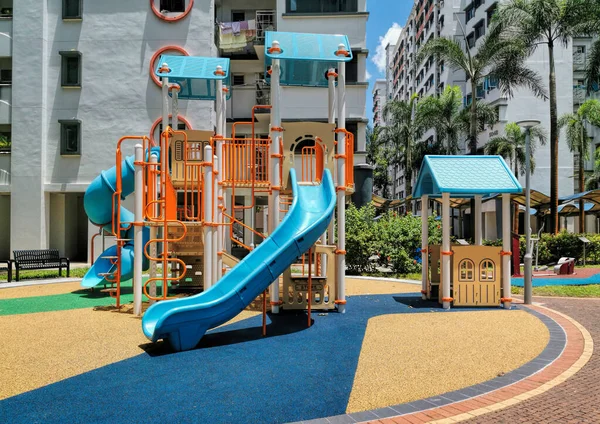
(247, 42)
(579, 60)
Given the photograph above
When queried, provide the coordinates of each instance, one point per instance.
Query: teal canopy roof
(465, 176)
(195, 75)
(305, 58)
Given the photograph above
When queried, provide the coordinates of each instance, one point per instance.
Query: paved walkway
(566, 391)
(577, 400)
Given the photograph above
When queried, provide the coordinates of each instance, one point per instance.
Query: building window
(469, 14)
(491, 12)
(238, 79)
(466, 270)
(580, 49)
(488, 270)
(173, 6)
(321, 6)
(71, 69)
(479, 29)
(72, 9)
(6, 76)
(238, 16)
(70, 137)
(352, 69)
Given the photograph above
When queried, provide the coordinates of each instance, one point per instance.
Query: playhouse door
(489, 283)
(477, 283)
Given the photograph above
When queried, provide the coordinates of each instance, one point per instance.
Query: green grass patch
(78, 299)
(592, 290)
(44, 274)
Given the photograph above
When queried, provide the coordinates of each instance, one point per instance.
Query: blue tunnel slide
(183, 322)
(99, 209)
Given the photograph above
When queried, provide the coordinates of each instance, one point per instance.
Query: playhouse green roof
(465, 176)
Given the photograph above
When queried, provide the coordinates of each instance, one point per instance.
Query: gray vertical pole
(528, 259)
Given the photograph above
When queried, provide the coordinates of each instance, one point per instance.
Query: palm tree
(377, 156)
(511, 146)
(593, 61)
(443, 114)
(592, 73)
(550, 22)
(401, 135)
(579, 142)
(497, 58)
(450, 120)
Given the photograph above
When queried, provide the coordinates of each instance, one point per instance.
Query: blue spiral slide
(183, 322)
(99, 209)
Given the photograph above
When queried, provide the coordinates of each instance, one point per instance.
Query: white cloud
(390, 37)
(368, 75)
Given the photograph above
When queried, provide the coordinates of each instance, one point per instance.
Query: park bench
(40, 259)
(7, 266)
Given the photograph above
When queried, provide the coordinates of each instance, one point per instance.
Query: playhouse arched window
(466, 269)
(487, 268)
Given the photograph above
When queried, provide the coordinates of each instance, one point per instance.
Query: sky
(385, 22)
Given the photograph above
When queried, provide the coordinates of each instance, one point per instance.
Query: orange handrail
(162, 217)
(117, 227)
(349, 156)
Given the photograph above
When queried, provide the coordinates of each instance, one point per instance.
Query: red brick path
(576, 400)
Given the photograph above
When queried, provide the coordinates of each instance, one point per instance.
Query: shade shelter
(466, 275)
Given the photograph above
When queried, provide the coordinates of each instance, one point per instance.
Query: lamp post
(527, 125)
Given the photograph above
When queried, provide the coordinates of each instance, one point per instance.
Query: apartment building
(379, 100)
(467, 22)
(428, 19)
(83, 79)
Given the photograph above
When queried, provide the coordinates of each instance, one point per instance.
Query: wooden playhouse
(466, 275)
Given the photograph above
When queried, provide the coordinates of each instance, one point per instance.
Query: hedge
(394, 239)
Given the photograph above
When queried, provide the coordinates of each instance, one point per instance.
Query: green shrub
(398, 240)
(360, 238)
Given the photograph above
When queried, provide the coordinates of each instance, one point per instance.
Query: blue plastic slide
(99, 208)
(184, 321)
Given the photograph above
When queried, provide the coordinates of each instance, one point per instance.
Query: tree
(579, 142)
(443, 114)
(377, 156)
(498, 58)
(592, 74)
(547, 22)
(401, 135)
(511, 146)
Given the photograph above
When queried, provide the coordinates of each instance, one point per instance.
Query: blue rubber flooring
(234, 375)
(553, 281)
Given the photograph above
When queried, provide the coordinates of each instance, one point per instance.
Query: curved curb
(570, 347)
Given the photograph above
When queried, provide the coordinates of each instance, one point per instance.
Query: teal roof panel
(304, 46)
(305, 58)
(465, 176)
(195, 75)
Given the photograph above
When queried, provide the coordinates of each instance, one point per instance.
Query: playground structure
(460, 275)
(188, 186)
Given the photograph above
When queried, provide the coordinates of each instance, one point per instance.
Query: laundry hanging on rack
(235, 36)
